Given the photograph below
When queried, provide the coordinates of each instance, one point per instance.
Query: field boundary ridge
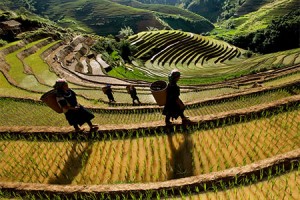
(225, 179)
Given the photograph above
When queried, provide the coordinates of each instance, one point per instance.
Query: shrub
(282, 34)
(126, 32)
(2, 42)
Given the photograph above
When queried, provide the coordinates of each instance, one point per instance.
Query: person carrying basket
(75, 113)
(174, 107)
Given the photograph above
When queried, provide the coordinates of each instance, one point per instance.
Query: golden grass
(149, 158)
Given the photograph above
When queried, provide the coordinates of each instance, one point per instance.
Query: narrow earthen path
(160, 125)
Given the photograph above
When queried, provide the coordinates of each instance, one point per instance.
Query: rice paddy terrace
(243, 143)
(193, 54)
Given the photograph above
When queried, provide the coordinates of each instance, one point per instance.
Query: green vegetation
(12, 109)
(10, 90)
(166, 9)
(243, 141)
(258, 133)
(175, 17)
(114, 53)
(39, 67)
(108, 17)
(204, 149)
(280, 35)
(9, 45)
(256, 16)
(197, 57)
(31, 27)
(2, 42)
(129, 73)
(17, 70)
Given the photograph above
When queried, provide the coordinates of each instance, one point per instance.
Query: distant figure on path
(256, 85)
(174, 107)
(133, 94)
(109, 93)
(75, 113)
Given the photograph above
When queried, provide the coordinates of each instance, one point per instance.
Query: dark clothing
(109, 94)
(74, 117)
(133, 94)
(80, 116)
(174, 106)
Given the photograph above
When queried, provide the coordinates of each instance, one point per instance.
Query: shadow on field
(76, 161)
(181, 157)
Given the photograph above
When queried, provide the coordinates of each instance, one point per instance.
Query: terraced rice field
(243, 143)
(127, 159)
(199, 56)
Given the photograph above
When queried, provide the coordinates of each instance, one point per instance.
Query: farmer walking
(133, 94)
(75, 113)
(109, 93)
(174, 107)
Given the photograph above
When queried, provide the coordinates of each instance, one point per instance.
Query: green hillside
(200, 59)
(167, 9)
(242, 140)
(257, 19)
(105, 17)
(175, 17)
(101, 17)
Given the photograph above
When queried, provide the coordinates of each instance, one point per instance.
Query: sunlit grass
(7, 89)
(147, 158)
(39, 67)
(285, 186)
(17, 70)
(9, 44)
(256, 20)
(12, 110)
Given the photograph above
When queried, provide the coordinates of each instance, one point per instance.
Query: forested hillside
(256, 25)
(272, 27)
(105, 17)
(281, 34)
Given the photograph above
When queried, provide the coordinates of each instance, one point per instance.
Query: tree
(126, 32)
(126, 50)
(282, 34)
